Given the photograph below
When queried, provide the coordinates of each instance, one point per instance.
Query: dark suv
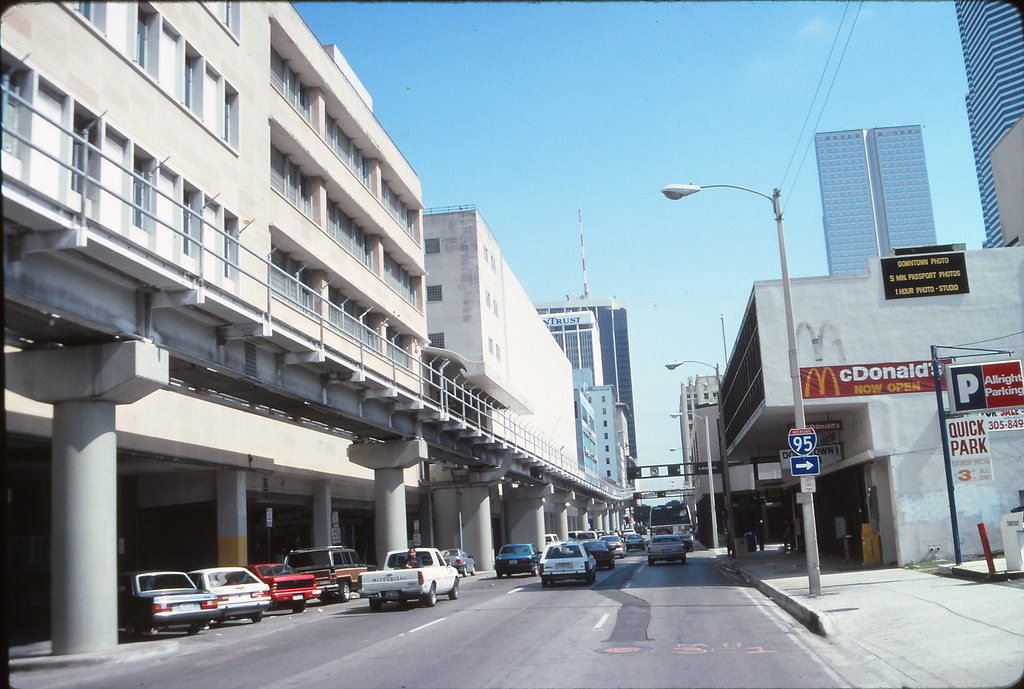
(517, 558)
(335, 567)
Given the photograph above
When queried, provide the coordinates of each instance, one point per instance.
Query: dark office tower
(612, 325)
(990, 33)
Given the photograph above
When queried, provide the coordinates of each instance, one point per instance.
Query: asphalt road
(668, 625)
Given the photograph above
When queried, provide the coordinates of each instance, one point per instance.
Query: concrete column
(83, 539)
(389, 461)
(560, 502)
(525, 511)
(84, 384)
(462, 514)
(322, 524)
(232, 518)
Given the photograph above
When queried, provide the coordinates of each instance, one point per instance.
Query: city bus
(672, 518)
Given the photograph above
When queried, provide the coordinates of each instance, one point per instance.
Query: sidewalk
(933, 630)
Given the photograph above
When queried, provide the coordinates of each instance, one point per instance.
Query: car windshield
(452, 553)
(274, 570)
(164, 582)
(610, 539)
(231, 577)
(556, 552)
(521, 550)
(596, 545)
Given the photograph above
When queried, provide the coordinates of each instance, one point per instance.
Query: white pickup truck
(405, 579)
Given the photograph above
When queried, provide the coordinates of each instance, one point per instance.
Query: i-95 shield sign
(802, 441)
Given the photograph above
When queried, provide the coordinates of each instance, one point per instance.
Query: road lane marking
(424, 626)
(600, 622)
(515, 590)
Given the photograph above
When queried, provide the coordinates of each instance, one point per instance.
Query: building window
(436, 340)
(229, 126)
(142, 190)
(347, 151)
(434, 293)
(192, 222)
(289, 85)
(399, 279)
(229, 244)
(432, 246)
(286, 177)
(145, 28)
(191, 97)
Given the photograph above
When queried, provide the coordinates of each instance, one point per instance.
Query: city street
(638, 626)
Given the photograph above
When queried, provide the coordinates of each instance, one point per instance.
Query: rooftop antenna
(583, 253)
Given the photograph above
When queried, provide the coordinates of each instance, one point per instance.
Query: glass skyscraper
(874, 194)
(990, 33)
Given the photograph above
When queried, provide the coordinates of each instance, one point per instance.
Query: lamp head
(678, 191)
(673, 365)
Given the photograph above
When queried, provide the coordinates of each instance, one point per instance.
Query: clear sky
(536, 111)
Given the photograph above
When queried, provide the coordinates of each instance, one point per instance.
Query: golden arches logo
(822, 375)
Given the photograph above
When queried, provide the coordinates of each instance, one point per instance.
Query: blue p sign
(967, 390)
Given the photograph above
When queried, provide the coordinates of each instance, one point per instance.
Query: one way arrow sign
(806, 465)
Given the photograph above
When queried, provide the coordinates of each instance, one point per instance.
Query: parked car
(239, 592)
(461, 560)
(583, 535)
(666, 547)
(635, 541)
(615, 545)
(550, 538)
(162, 600)
(567, 561)
(288, 588)
(517, 558)
(335, 567)
(603, 555)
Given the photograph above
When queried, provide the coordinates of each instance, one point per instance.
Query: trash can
(1011, 528)
(751, 541)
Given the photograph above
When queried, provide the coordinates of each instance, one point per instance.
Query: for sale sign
(968, 449)
(995, 385)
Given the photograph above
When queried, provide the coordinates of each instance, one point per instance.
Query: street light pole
(729, 525)
(678, 191)
(711, 484)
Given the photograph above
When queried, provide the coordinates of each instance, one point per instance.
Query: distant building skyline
(993, 47)
(875, 194)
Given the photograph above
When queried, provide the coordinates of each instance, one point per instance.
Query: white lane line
(515, 590)
(600, 622)
(424, 626)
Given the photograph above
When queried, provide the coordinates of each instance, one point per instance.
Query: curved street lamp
(675, 192)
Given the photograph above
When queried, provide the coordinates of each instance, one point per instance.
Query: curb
(814, 620)
(42, 659)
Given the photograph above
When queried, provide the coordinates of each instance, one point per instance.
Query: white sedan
(240, 593)
(568, 560)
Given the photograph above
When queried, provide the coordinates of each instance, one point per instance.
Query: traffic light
(662, 493)
(675, 469)
(632, 473)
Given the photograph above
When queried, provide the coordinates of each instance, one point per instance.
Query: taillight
(333, 576)
(420, 573)
(542, 568)
(258, 594)
(208, 605)
(158, 608)
(222, 599)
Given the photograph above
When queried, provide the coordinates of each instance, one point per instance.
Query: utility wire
(824, 101)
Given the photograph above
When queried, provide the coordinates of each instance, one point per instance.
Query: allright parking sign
(993, 385)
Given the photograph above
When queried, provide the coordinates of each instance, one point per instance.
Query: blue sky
(535, 111)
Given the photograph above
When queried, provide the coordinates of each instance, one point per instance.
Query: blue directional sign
(802, 441)
(805, 465)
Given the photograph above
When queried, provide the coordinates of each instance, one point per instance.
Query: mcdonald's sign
(855, 380)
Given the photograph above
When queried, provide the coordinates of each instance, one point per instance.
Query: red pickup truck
(288, 588)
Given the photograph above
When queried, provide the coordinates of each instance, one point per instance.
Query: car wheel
(344, 592)
(683, 560)
(650, 562)
(299, 607)
(533, 571)
(612, 565)
(429, 600)
(591, 578)
(544, 581)
(454, 593)
(376, 604)
(257, 617)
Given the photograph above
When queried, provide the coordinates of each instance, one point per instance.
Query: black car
(162, 600)
(603, 555)
(517, 558)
